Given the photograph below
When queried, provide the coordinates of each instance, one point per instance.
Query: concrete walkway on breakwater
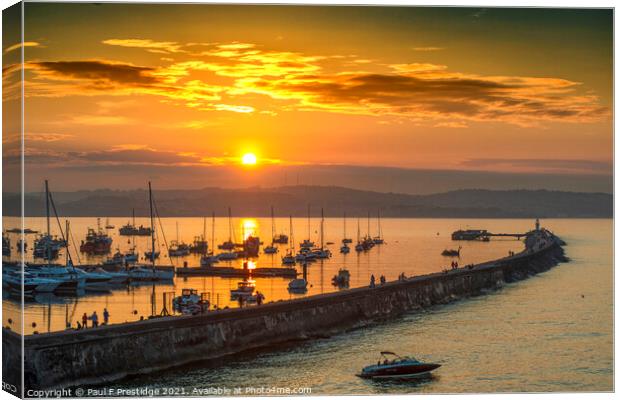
(96, 356)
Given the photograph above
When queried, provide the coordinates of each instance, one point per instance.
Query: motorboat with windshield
(393, 366)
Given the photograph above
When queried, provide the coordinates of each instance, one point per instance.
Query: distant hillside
(294, 200)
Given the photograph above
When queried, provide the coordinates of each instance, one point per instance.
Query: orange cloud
(147, 44)
(20, 45)
(291, 80)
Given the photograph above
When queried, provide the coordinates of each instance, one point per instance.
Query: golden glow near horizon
(249, 159)
(249, 227)
(512, 90)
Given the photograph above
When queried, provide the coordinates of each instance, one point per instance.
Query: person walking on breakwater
(95, 319)
(382, 279)
(85, 320)
(106, 316)
(259, 298)
(372, 281)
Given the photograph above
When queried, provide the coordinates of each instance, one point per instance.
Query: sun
(248, 159)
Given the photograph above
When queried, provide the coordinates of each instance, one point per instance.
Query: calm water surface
(552, 332)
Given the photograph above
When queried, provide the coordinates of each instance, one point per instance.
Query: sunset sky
(117, 94)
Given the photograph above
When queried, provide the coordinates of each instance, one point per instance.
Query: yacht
(271, 249)
(144, 273)
(69, 279)
(31, 283)
(93, 279)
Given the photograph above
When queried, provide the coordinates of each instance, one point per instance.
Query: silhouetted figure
(95, 319)
(85, 320)
(106, 316)
(372, 281)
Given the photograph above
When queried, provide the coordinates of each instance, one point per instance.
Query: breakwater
(94, 356)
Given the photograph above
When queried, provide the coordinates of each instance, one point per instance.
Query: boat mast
(204, 235)
(152, 227)
(344, 223)
(358, 229)
(273, 226)
(67, 242)
(291, 241)
(48, 242)
(229, 225)
(308, 222)
(379, 223)
(212, 230)
(322, 230)
(368, 228)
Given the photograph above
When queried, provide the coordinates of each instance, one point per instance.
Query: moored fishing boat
(244, 288)
(130, 229)
(97, 242)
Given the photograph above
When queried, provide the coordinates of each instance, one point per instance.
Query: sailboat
(344, 249)
(208, 258)
(200, 245)
(68, 277)
(379, 238)
(228, 245)
(322, 252)
(289, 258)
(359, 246)
(132, 255)
(177, 248)
(345, 239)
(271, 249)
(307, 243)
(108, 225)
(368, 243)
(299, 285)
(144, 273)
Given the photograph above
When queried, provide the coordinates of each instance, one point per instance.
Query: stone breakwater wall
(96, 356)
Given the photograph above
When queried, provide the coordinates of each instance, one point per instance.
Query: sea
(550, 333)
